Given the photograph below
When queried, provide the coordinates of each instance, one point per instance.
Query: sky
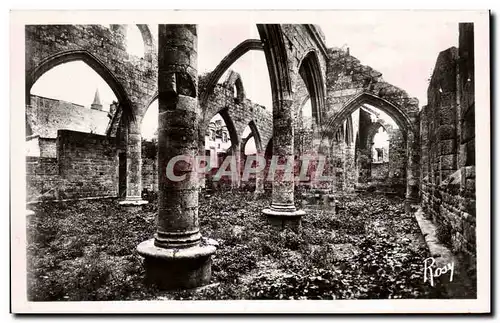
(405, 53)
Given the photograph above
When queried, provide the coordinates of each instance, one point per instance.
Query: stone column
(412, 169)
(133, 195)
(282, 211)
(177, 257)
(259, 180)
(236, 171)
(350, 168)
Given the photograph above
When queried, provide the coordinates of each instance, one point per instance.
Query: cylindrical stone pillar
(412, 169)
(177, 257)
(260, 179)
(236, 171)
(133, 194)
(282, 211)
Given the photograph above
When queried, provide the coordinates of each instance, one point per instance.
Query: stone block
(447, 131)
(447, 162)
(447, 147)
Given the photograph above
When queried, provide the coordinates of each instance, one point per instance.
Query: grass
(85, 250)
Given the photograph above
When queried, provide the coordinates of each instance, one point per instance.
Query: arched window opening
(310, 72)
(60, 83)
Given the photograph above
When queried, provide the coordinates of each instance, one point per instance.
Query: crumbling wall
(447, 141)
(42, 178)
(85, 167)
(240, 111)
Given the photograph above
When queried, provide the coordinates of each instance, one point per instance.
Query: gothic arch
(147, 38)
(256, 136)
(277, 61)
(82, 55)
(395, 112)
(233, 80)
(221, 68)
(373, 131)
(233, 134)
(310, 71)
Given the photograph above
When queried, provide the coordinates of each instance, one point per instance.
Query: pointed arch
(82, 55)
(310, 71)
(233, 134)
(147, 38)
(233, 56)
(277, 61)
(233, 80)
(256, 136)
(396, 113)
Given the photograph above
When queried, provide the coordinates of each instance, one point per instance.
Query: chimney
(96, 105)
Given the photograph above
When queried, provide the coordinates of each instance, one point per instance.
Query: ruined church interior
(106, 222)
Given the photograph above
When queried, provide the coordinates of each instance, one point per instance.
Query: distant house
(45, 116)
(217, 140)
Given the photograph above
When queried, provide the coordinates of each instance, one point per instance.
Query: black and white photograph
(276, 158)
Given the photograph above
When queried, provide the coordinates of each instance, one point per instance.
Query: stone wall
(88, 165)
(149, 166)
(42, 178)
(45, 116)
(447, 141)
(237, 114)
(85, 167)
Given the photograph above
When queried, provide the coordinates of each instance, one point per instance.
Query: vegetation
(369, 248)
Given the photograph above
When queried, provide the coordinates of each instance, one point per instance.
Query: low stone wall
(85, 167)
(448, 171)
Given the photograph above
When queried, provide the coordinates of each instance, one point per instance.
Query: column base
(170, 268)
(284, 218)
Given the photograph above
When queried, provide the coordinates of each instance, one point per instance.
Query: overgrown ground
(369, 248)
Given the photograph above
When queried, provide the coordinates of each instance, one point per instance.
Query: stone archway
(233, 56)
(402, 119)
(310, 72)
(147, 38)
(82, 55)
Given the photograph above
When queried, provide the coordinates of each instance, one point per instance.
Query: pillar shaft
(259, 180)
(282, 191)
(134, 167)
(178, 120)
(175, 258)
(236, 171)
(412, 168)
(133, 193)
(282, 212)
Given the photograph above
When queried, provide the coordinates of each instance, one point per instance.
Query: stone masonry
(431, 152)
